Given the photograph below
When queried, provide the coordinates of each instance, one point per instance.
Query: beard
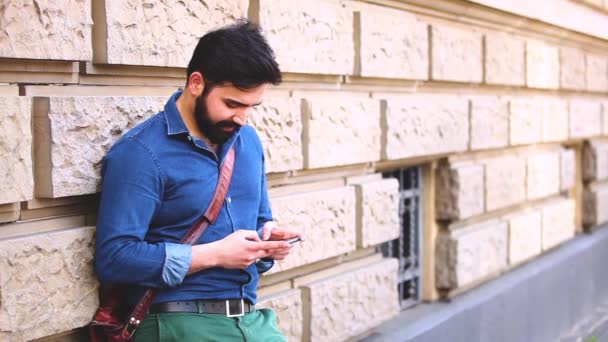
(213, 131)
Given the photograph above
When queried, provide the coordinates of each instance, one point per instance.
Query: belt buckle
(240, 314)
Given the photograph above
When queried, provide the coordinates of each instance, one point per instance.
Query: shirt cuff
(178, 258)
(264, 265)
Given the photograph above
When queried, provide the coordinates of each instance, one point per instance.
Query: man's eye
(232, 105)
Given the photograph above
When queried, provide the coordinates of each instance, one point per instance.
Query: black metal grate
(407, 247)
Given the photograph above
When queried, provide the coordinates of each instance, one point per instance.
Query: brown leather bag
(111, 322)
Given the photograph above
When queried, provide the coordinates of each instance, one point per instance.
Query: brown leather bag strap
(209, 217)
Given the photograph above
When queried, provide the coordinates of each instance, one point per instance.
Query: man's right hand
(236, 251)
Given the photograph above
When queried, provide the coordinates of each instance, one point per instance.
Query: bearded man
(161, 175)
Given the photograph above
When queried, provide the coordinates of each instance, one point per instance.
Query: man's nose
(241, 116)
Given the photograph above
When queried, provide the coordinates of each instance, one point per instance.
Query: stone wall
(503, 106)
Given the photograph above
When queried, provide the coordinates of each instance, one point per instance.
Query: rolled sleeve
(131, 190)
(178, 258)
(264, 265)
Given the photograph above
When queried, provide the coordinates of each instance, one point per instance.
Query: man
(158, 180)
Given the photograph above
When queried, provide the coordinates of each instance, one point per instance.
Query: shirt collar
(175, 123)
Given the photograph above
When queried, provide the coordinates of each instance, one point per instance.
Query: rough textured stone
(420, 125)
(162, 33)
(605, 118)
(341, 131)
(460, 191)
(542, 65)
(597, 72)
(595, 160)
(288, 307)
(15, 149)
(46, 29)
(326, 217)
(567, 169)
(555, 120)
(504, 60)
(456, 54)
(572, 68)
(47, 284)
(558, 222)
(336, 304)
(489, 123)
(526, 121)
(468, 255)
(378, 212)
(585, 118)
(505, 181)
(82, 131)
(324, 31)
(279, 125)
(543, 174)
(394, 44)
(595, 205)
(524, 235)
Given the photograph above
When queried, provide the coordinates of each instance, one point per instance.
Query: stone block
(505, 181)
(47, 284)
(393, 44)
(456, 54)
(46, 30)
(585, 118)
(377, 212)
(558, 222)
(489, 123)
(76, 133)
(16, 149)
(597, 72)
(460, 191)
(341, 131)
(543, 170)
(324, 31)
(288, 307)
(504, 61)
(595, 160)
(158, 33)
(470, 254)
(542, 65)
(572, 68)
(605, 118)
(336, 304)
(595, 205)
(9, 213)
(278, 122)
(567, 169)
(524, 235)
(525, 121)
(422, 125)
(555, 120)
(327, 218)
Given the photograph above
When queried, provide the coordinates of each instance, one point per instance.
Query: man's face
(221, 111)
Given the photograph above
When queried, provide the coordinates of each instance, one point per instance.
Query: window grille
(407, 248)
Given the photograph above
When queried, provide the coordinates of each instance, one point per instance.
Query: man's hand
(236, 251)
(272, 232)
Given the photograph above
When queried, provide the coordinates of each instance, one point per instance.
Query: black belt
(230, 307)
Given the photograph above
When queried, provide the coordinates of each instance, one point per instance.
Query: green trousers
(259, 325)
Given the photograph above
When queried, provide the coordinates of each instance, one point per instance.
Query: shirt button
(189, 138)
(229, 200)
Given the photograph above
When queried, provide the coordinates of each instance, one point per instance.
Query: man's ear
(196, 84)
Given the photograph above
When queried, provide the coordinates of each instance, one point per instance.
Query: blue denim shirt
(157, 181)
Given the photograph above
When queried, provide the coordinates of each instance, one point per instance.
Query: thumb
(250, 235)
(267, 230)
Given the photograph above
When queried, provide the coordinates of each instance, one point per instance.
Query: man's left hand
(272, 232)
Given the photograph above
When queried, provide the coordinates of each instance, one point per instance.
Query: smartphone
(293, 240)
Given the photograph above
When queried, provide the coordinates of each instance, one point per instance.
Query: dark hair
(236, 54)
